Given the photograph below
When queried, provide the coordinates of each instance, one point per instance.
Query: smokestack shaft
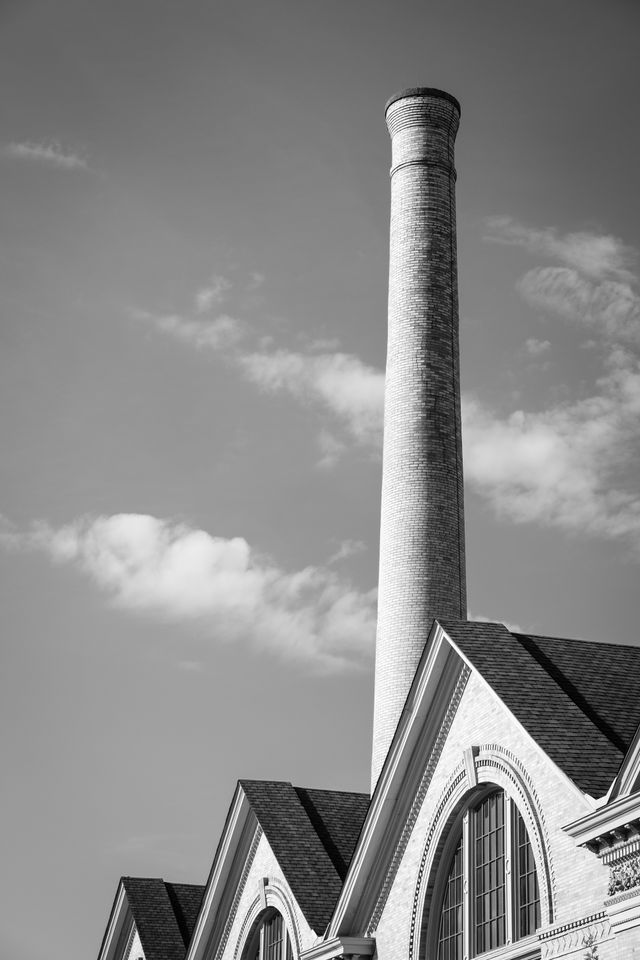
(422, 567)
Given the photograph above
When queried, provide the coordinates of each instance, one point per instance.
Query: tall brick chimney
(422, 567)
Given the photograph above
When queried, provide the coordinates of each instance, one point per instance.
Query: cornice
(340, 947)
(598, 828)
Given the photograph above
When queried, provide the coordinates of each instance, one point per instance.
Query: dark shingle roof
(164, 915)
(313, 834)
(337, 819)
(579, 700)
(186, 899)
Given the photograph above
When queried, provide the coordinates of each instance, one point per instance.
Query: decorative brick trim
(625, 875)
(454, 782)
(277, 892)
(491, 758)
(130, 939)
(494, 756)
(276, 896)
(239, 891)
(418, 800)
(448, 168)
(580, 934)
(629, 849)
(254, 911)
(621, 897)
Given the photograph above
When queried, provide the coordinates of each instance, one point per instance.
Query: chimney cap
(422, 92)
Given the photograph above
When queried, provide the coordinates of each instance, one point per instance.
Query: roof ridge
(591, 643)
(554, 672)
(344, 793)
(551, 706)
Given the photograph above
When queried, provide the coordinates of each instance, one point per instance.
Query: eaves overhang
(427, 688)
(118, 927)
(607, 826)
(232, 834)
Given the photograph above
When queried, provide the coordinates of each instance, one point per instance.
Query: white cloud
(348, 548)
(51, 153)
(175, 572)
(536, 348)
(341, 383)
(596, 255)
(212, 293)
(610, 306)
(331, 449)
(219, 334)
(320, 375)
(570, 466)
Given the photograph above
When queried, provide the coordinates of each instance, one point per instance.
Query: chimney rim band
(423, 92)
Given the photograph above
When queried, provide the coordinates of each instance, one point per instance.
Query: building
(504, 819)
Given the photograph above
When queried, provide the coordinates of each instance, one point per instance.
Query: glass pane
(273, 938)
(450, 934)
(526, 892)
(487, 824)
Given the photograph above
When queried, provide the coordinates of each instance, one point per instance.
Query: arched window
(270, 939)
(490, 895)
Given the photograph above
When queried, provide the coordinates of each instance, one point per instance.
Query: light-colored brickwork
(575, 880)
(422, 525)
(134, 951)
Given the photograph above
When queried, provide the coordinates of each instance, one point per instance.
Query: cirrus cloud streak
(51, 154)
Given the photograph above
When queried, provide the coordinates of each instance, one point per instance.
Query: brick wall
(578, 881)
(422, 524)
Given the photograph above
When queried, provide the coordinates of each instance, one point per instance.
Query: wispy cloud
(611, 307)
(50, 153)
(213, 293)
(565, 466)
(339, 382)
(320, 376)
(175, 572)
(346, 550)
(222, 333)
(568, 466)
(536, 348)
(572, 465)
(596, 255)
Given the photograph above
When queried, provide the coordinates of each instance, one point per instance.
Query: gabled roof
(579, 700)
(313, 834)
(164, 915)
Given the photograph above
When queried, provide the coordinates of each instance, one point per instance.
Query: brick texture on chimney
(422, 566)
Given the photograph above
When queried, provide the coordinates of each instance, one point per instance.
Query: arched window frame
(261, 944)
(461, 829)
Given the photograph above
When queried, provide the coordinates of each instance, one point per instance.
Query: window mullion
(508, 869)
(467, 888)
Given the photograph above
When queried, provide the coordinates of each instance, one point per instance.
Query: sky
(194, 202)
